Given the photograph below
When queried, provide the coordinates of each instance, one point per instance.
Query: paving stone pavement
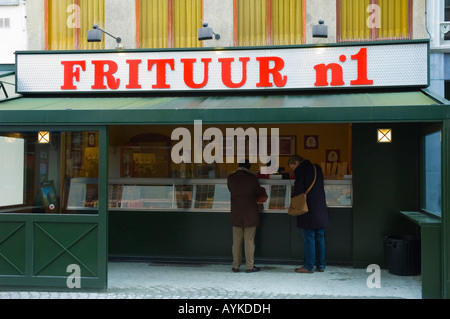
(140, 280)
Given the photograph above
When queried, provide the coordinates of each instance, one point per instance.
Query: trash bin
(403, 254)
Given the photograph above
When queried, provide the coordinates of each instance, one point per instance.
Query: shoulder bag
(298, 204)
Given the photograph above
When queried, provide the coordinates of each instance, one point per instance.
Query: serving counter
(167, 218)
(176, 194)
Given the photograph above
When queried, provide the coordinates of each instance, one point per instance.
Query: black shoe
(235, 269)
(254, 269)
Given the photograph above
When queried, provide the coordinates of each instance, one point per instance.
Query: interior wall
(329, 137)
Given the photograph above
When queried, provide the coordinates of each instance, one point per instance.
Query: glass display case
(202, 195)
(339, 193)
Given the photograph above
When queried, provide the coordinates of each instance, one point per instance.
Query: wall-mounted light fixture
(206, 33)
(320, 30)
(44, 137)
(384, 135)
(96, 35)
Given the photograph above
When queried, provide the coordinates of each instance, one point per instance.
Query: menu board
(277, 199)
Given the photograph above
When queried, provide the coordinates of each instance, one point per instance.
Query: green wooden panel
(273, 237)
(44, 245)
(446, 209)
(200, 236)
(58, 245)
(339, 236)
(169, 234)
(431, 262)
(192, 235)
(430, 251)
(12, 248)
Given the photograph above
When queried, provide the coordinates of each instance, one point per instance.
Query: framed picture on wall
(287, 145)
(311, 142)
(91, 139)
(333, 156)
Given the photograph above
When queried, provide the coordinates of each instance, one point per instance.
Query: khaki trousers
(246, 235)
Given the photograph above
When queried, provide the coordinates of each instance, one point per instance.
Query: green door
(53, 207)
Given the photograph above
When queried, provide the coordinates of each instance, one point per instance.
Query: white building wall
(324, 10)
(120, 21)
(219, 16)
(14, 37)
(35, 24)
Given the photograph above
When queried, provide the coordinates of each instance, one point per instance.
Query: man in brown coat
(244, 188)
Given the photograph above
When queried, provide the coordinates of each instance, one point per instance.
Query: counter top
(421, 218)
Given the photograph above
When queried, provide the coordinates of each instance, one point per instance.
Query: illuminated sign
(291, 68)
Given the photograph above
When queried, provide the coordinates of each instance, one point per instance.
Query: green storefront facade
(37, 246)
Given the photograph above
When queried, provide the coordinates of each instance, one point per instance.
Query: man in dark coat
(312, 223)
(244, 189)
